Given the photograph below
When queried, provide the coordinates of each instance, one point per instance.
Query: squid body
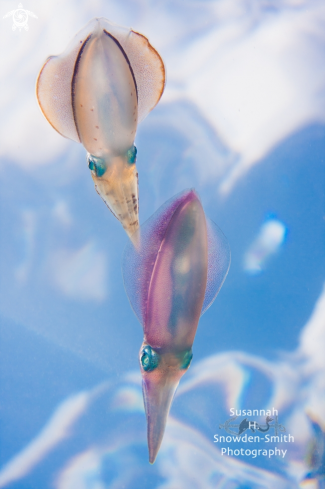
(96, 92)
(171, 277)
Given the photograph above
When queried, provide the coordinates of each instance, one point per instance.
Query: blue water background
(68, 330)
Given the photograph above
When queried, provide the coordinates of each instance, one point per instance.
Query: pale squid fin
(218, 263)
(149, 71)
(147, 66)
(53, 86)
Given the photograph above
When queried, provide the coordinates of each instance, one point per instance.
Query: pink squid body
(171, 276)
(178, 281)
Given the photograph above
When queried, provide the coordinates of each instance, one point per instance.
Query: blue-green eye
(96, 165)
(91, 164)
(131, 155)
(149, 359)
(186, 360)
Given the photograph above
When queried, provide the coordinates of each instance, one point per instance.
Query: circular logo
(20, 18)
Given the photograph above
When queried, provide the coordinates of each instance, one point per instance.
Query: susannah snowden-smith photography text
(237, 425)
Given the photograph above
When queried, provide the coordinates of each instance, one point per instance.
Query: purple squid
(171, 277)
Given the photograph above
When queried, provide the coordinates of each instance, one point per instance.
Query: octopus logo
(20, 18)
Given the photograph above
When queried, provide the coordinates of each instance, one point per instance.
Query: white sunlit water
(268, 241)
(242, 122)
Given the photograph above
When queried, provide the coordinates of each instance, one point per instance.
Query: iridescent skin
(172, 318)
(105, 82)
(168, 295)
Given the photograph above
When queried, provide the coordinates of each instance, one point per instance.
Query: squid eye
(187, 358)
(149, 359)
(97, 165)
(132, 155)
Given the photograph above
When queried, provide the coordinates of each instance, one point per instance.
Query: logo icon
(254, 426)
(20, 18)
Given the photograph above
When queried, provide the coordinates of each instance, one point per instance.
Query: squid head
(106, 81)
(171, 277)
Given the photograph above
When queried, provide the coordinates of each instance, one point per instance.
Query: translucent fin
(53, 86)
(54, 83)
(138, 262)
(218, 263)
(149, 71)
(147, 66)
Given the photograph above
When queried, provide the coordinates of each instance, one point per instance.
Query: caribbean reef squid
(96, 92)
(171, 277)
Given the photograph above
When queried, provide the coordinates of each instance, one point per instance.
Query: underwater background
(242, 121)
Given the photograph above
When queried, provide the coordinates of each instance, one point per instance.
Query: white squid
(96, 92)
